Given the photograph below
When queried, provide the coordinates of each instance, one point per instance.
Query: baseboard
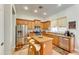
(77, 50)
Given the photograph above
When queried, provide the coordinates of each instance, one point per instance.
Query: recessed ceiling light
(59, 5)
(26, 8)
(44, 13)
(35, 11)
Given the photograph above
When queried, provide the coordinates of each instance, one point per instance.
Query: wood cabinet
(45, 44)
(42, 25)
(67, 43)
(21, 22)
(29, 24)
(55, 38)
(32, 23)
(37, 22)
(64, 42)
(48, 23)
(45, 25)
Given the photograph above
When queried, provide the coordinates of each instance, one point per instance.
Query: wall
(9, 29)
(72, 14)
(13, 27)
(1, 28)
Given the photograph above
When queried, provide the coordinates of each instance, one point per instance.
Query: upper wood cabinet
(42, 25)
(37, 22)
(48, 23)
(32, 23)
(21, 21)
(45, 25)
(29, 24)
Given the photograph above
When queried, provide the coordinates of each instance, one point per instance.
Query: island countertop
(41, 38)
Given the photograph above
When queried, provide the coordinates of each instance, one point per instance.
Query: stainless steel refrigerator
(21, 32)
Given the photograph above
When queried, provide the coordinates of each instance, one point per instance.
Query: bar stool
(28, 39)
(31, 50)
(35, 48)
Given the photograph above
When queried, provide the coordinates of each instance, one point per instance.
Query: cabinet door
(29, 25)
(56, 40)
(18, 22)
(42, 26)
(21, 22)
(37, 22)
(64, 43)
(47, 25)
(32, 25)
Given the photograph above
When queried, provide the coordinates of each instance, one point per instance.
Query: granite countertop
(41, 38)
(59, 34)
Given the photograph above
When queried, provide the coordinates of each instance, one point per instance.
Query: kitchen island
(45, 43)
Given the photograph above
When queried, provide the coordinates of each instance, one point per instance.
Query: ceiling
(50, 9)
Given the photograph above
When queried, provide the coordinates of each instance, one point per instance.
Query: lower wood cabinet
(64, 42)
(55, 39)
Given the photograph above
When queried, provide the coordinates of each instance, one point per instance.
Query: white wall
(72, 14)
(13, 27)
(1, 28)
(9, 29)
